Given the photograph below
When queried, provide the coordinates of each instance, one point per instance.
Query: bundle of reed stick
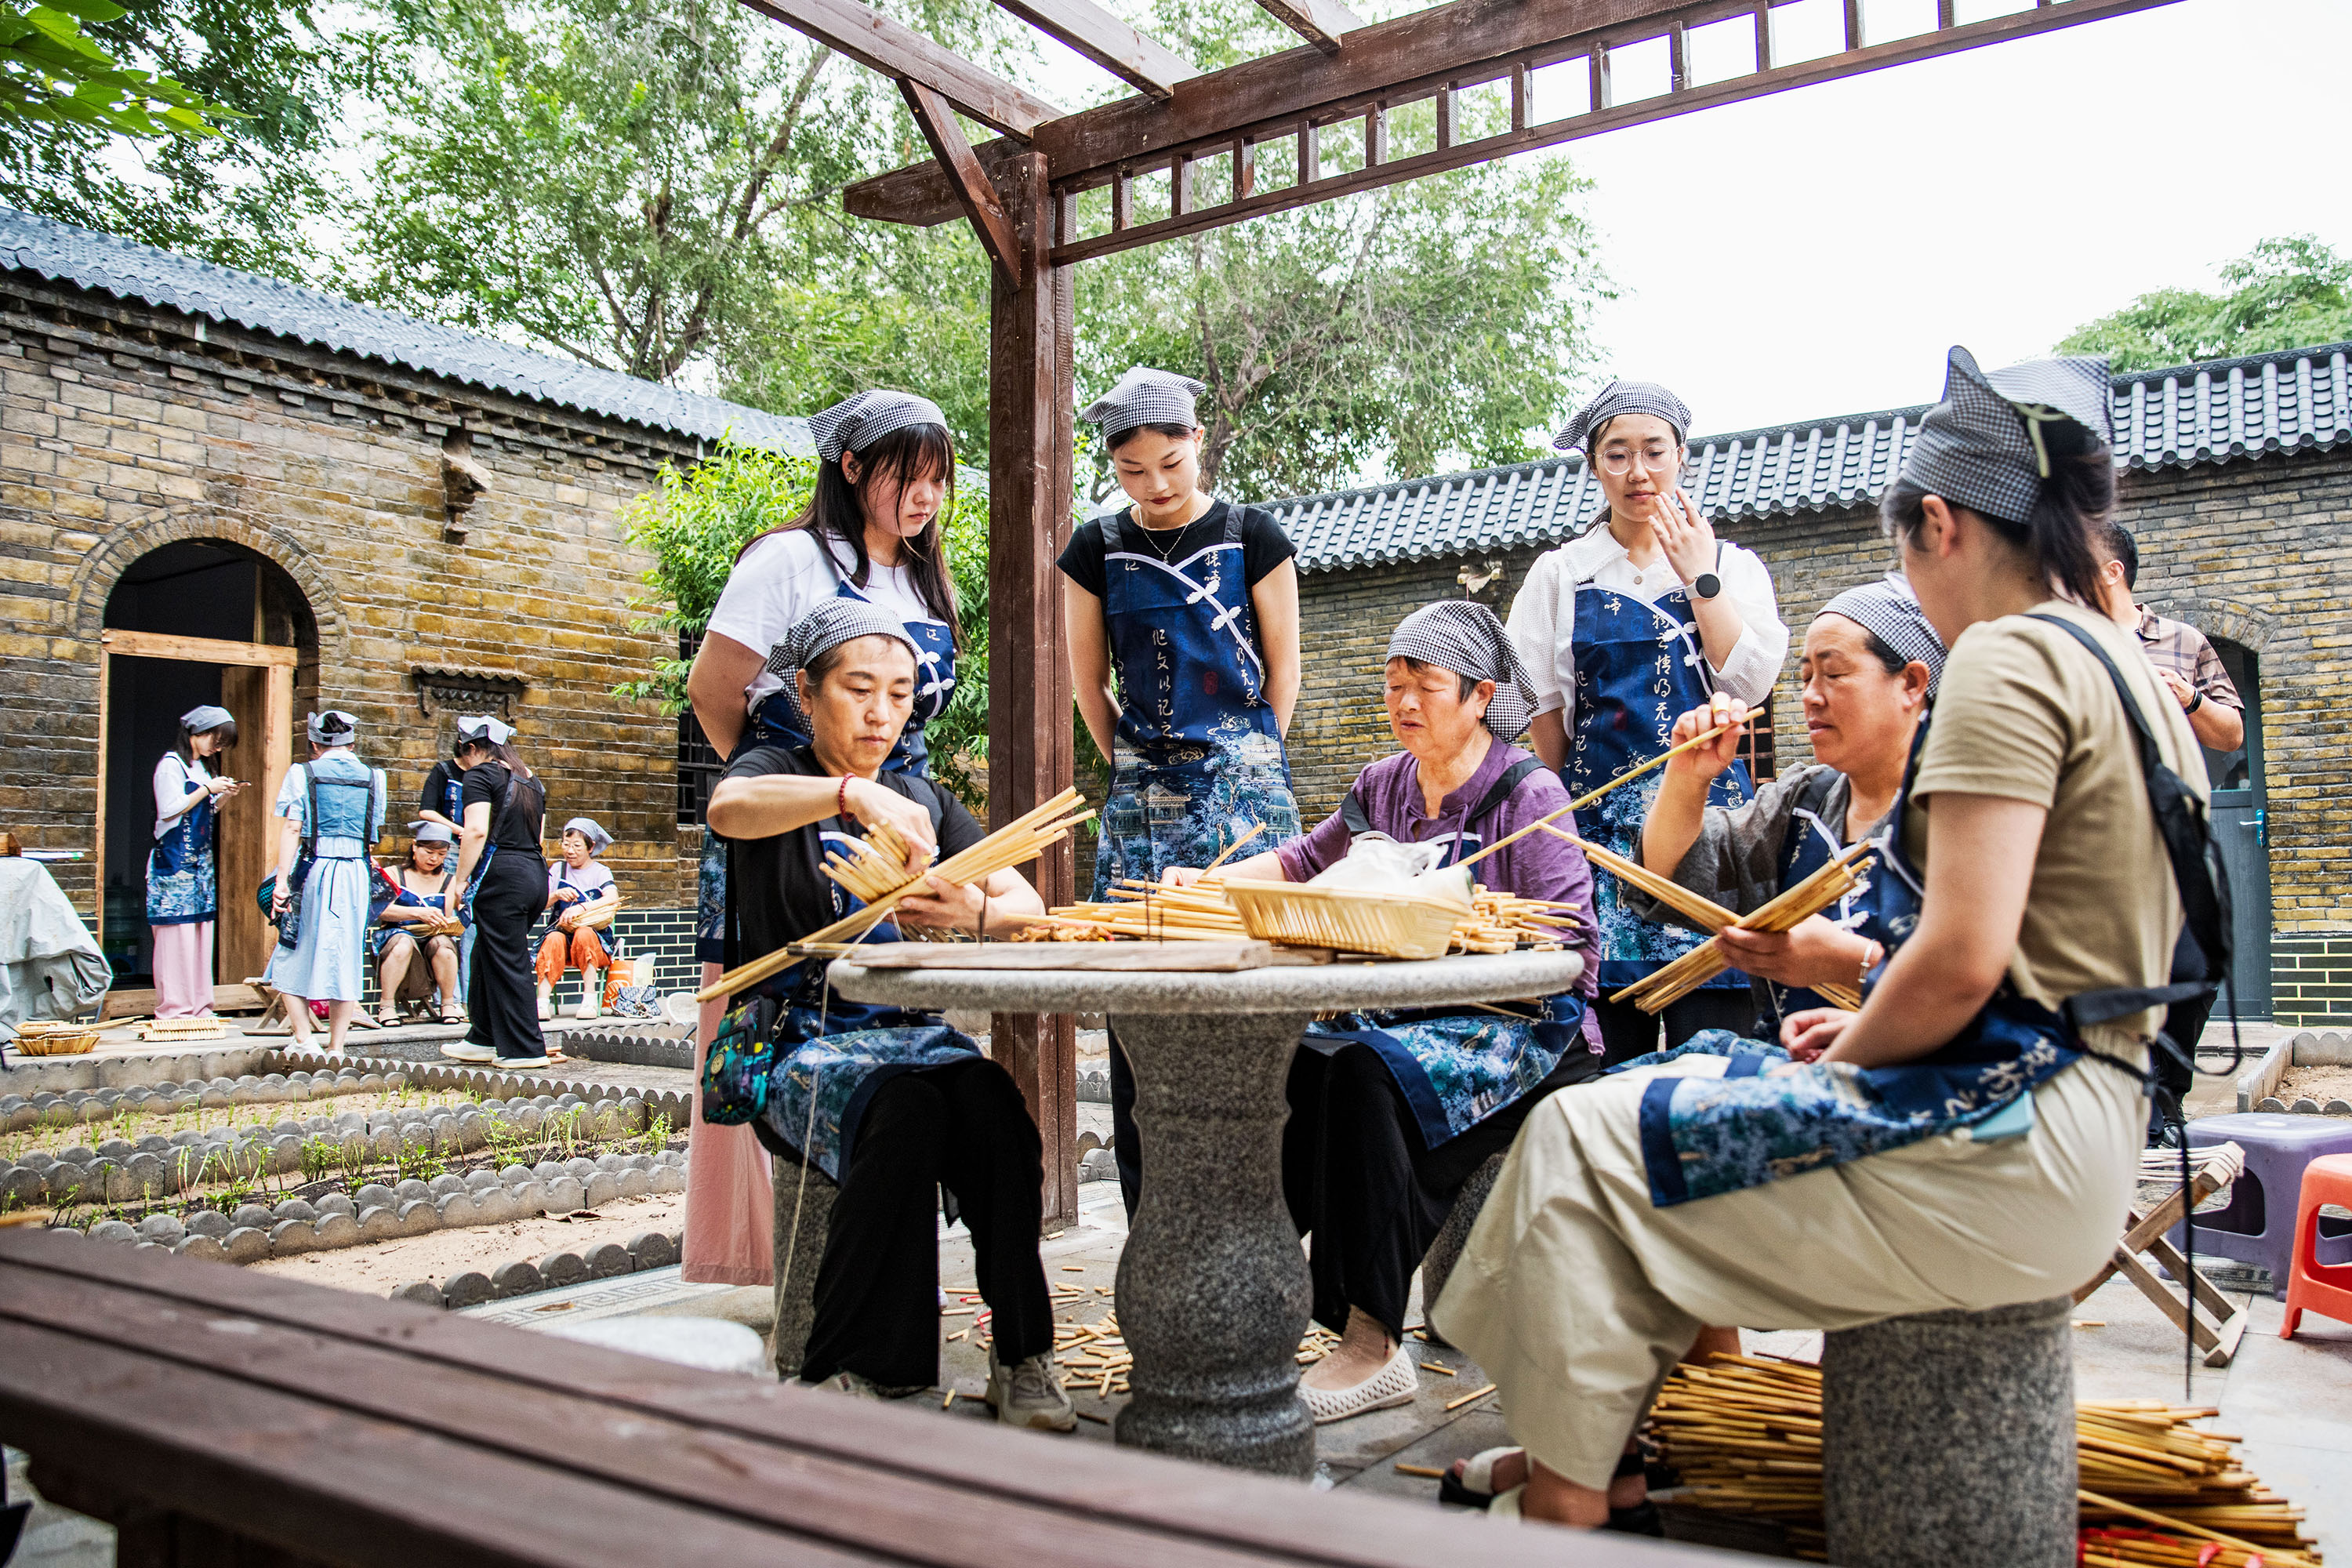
(1153, 911)
(1503, 923)
(1652, 993)
(1015, 843)
(1744, 1433)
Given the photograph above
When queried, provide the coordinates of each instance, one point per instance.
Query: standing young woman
(1646, 616)
(1192, 603)
(183, 870)
(503, 885)
(2018, 1008)
(871, 532)
(332, 809)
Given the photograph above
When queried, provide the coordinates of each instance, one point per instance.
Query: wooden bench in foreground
(218, 1417)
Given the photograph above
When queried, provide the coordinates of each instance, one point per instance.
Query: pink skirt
(730, 1207)
(183, 969)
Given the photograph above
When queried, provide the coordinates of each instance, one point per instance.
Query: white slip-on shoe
(1395, 1383)
(468, 1051)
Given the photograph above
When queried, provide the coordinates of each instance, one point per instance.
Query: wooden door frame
(277, 743)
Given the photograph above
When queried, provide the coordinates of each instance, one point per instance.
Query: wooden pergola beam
(978, 197)
(1136, 58)
(1321, 23)
(880, 44)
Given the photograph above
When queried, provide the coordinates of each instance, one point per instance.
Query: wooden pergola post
(1030, 325)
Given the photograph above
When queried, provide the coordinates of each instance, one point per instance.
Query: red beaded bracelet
(840, 798)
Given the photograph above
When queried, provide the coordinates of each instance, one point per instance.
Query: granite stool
(1445, 1248)
(2257, 1225)
(804, 1197)
(1947, 1440)
(2314, 1286)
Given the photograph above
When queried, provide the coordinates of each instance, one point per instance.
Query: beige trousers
(1576, 1296)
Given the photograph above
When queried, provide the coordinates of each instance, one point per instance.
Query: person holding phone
(184, 868)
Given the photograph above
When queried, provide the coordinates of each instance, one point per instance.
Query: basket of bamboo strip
(1346, 920)
(54, 1037)
(596, 919)
(168, 1030)
(1745, 1435)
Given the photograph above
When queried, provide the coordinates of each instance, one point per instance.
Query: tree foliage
(232, 97)
(2283, 294)
(694, 523)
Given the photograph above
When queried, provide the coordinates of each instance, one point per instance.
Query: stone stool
(1948, 1441)
(2257, 1225)
(1445, 1249)
(803, 1246)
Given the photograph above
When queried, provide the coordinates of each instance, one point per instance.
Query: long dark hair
(499, 752)
(186, 752)
(2056, 534)
(833, 513)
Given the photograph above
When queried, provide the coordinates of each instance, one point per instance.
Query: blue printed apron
(833, 1055)
(183, 888)
(1638, 669)
(1813, 843)
(1200, 754)
(408, 898)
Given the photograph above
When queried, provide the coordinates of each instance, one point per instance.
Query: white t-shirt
(781, 579)
(173, 801)
(1542, 622)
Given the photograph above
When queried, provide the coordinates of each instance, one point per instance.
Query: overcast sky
(1816, 251)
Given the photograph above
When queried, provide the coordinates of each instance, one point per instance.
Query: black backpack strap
(310, 820)
(2188, 844)
(1512, 777)
(1351, 812)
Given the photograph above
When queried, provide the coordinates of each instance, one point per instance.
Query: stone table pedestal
(1213, 1288)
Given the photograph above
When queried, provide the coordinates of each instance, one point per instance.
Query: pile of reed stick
(1095, 1357)
(1153, 911)
(1503, 923)
(1744, 1433)
(881, 867)
(1693, 969)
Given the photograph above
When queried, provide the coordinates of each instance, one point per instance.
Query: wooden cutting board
(1168, 957)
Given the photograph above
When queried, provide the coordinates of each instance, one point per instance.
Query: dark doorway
(2241, 826)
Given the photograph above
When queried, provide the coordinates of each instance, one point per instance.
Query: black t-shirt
(519, 828)
(445, 778)
(1263, 545)
(776, 888)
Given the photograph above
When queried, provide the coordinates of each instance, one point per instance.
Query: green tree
(2283, 294)
(696, 521)
(232, 97)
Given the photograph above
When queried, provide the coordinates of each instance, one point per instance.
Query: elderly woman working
(1390, 1113)
(581, 893)
(892, 1104)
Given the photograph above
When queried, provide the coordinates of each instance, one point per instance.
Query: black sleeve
(1263, 545)
(483, 785)
(1082, 558)
(760, 762)
(958, 830)
(435, 795)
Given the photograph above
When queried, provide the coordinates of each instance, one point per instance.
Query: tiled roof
(2216, 412)
(128, 270)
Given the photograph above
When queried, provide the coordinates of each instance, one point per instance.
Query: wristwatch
(1706, 585)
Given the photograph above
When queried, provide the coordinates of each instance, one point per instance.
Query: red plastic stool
(2314, 1286)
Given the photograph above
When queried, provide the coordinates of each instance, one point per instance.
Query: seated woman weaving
(1390, 1113)
(1968, 1140)
(890, 1103)
(1870, 669)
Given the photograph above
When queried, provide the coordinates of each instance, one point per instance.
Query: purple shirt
(1538, 867)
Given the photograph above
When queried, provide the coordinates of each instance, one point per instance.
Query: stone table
(1213, 1288)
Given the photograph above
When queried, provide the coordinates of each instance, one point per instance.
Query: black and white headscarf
(1144, 396)
(1464, 636)
(857, 423)
(333, 727)
(1624, 398)
(1983, 446)
(1888, 609)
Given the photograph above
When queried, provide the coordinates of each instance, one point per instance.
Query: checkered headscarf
(1983, 446)
(832, 621)
(1888, 609)
(1144, 396)
(857, 423)
(1624, 398)
(1464, 636)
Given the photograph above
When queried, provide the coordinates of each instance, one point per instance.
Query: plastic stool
(2254, 1228)
(2314, 1286)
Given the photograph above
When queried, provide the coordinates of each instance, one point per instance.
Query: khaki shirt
(2025, 712)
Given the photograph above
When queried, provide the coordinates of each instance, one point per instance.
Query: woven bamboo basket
(1350, 919)
(54, 1037)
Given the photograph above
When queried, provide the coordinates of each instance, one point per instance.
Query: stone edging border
(2258, 1085)
(522, 1276)
(489, 1082)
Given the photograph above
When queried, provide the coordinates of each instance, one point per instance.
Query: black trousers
(503, 1000)
(1627, 1032)
(1359, 1179)
(963, 1127)
(1126, 1146)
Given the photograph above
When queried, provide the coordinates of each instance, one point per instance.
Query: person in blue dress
(333, 807)
(889, 1103)
(182, 868)
(1870, 667)
(1181, 611)
(1642, 618)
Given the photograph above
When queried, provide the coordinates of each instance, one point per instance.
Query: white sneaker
(468, 1051)
(588, 1008)
(1395, 1383)
(1029, 1394)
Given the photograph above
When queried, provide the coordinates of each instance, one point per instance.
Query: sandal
(455, 1018)
(1473, 1486)
(384, 1023)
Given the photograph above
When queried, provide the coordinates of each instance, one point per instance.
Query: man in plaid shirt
(2189, 667)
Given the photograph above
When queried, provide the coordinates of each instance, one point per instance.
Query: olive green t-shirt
(2025, 712)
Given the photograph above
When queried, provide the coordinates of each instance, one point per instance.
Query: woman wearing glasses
(1644, 617)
